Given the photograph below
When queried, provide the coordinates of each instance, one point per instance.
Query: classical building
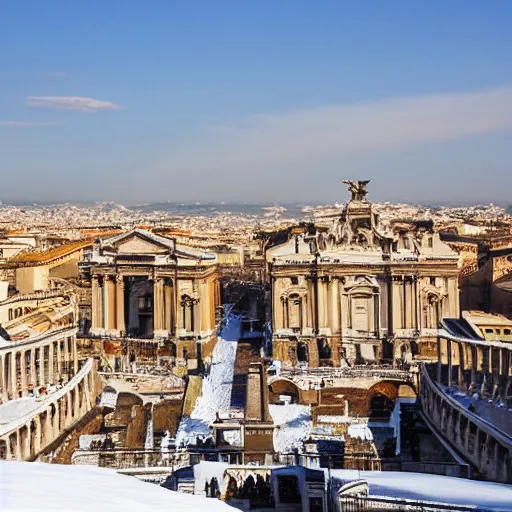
(145, 286)
(352, 290)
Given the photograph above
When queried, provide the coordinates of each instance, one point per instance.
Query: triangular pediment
(139, 242)
(138, 245)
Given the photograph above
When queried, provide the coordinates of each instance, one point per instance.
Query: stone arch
(125, 398)
(281, 386)
(381, 400)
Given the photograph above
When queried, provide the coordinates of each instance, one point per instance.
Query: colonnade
(178, 309)
(108, 303)
(475, 365)
(50, 358)
(25, 437)
(482, 444)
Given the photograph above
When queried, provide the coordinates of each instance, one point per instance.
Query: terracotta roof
(51, 254)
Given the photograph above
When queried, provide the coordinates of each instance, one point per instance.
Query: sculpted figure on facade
(358, 189)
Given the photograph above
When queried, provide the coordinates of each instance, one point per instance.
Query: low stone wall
(126, 459)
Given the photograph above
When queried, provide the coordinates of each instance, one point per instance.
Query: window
(430, 242)
(294, 312)
(433, 281)
(506, 332)
(294, 280)
(489, 331)
(407, 245)
(360, 314)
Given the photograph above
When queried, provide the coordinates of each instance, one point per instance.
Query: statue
(357, 189)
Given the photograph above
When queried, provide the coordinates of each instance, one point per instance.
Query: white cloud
(308, 138)
(79, 103)
(30, 123)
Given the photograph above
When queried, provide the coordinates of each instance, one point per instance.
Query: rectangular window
(361, 314)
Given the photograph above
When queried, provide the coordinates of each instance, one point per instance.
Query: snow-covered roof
(435, 488)
(31, 486)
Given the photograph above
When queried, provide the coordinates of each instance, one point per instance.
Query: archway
(283, 387)
(381, 400)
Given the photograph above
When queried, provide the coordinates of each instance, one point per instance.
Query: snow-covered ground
(294, 423)
(444, 489)
(216, 388)
(31, 486)
(494, 412)
(14, 409)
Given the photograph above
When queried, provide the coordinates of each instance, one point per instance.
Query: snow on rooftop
(294, 423)
(31, 486)
(436, 488)
(360, 431)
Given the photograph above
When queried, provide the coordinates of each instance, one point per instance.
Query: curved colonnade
(31, 424)
(471, 364)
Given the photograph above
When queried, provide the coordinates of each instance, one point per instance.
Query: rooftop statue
(357, 189)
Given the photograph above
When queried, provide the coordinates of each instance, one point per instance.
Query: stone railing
(480, 442)
(52, 399)
(47, 337)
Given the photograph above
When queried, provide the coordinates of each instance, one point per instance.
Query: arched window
(431, 312)
(188, 312)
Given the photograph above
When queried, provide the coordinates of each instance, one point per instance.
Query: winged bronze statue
(357, 189)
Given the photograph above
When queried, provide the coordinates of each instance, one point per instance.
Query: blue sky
(255, 101)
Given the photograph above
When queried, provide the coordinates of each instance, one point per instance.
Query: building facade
(148, 287)
(349, 291)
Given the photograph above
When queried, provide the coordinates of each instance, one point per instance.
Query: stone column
(41, 365)
(168, 308)
(460, 381)
(25, 442)
(38, 435)
(50, 363)
(23, 373)
(485, 370)
(474, 363)
(95, 321)
(120, 305)
(158, 311)
(14, 376)
(101, 305)
(74, 354)
(110, 317)
(59, 360)
(3, 378)
(450, 364)
(66, 359)
(76, 405)
(439, 360)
